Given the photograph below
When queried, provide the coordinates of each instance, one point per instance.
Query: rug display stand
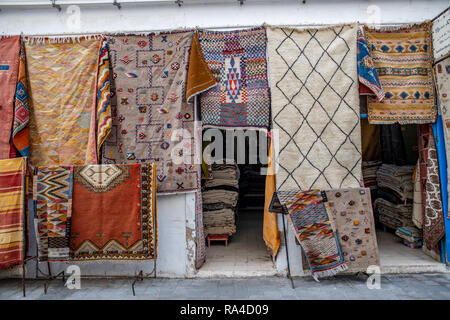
(288, 275)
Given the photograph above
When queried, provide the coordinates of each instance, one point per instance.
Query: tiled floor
(246, 254)
(396, 257)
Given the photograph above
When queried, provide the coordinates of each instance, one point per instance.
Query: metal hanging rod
(109, 32)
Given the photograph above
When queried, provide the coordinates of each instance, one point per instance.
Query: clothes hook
(117, 4)
(54, 5)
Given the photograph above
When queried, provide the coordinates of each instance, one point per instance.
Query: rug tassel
(328, 273)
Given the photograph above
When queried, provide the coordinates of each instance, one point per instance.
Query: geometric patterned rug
(314, 90)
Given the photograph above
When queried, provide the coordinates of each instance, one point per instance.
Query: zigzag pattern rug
(315, 107)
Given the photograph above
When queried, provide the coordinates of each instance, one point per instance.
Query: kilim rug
(368, 76)
(351, 212)
(9, 67)
(241, 98)
(309, 219)
(433, 217)
(62, 76)
(52, 195)
(315, 107)
(151, 118)
(403, 60)
(12, 211)
(442, 73)
(441, 36)
(21, 131)
(114, 212)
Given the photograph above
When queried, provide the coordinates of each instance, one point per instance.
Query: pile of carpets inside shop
(220, 197)
(369, 172)
(395, 195)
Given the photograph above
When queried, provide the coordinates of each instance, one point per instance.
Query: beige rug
(315, 107)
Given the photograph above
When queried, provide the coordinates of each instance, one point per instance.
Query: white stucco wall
(176, 213)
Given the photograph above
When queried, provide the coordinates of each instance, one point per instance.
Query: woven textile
(351, 211)
(433, 217)
(101, 124)
(9, 66)
(52, 195)
(402, 59)
(315, 107)
(12, 211)
(309, 219)
(114, 212)
(368, 76)
(21, 131)
(151, 118)
(62, 77)
(442, 73)
(441, 36)
(241, 98)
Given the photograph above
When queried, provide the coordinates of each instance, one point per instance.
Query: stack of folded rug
(220, 198)
(394, 215)
(411, 236)
(369, 172)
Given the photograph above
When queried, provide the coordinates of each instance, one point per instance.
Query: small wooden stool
(218, 237)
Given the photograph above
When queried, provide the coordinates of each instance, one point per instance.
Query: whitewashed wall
(176, 213)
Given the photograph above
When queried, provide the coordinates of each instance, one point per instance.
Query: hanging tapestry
(441, 35)
(351, 212)
(101, 120)
(241, 98)
(12, 211)
(442, 73)
(367, 74)
(315, 107)
(151, 118)
(62, 76)
(433, 217)
(309, 219)
(52, 195)
(403, 60)
(21, 132)
(271, 234)
(114, 212)
(9, 68)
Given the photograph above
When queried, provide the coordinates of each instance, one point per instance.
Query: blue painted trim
(438, 130)
(363, 116)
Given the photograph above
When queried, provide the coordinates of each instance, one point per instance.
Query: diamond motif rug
(441, 39)
(152, 120)
(403, 60)
(62, 76)
(351, 212)
(241, 98)
(12, 211)
(315, 107)
(114, 212)
(309, 219)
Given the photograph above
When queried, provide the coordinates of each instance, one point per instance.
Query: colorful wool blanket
(241, 98)
(433, 224)
(9, 68)
(442, 74)
(52, 196)
(152, 119)
(351, 212)
(403, 60)
(96, 212)
(441, 36)
(63, 83)
(310, 221)
(13, 187)
(315, 107)
(368, 76)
